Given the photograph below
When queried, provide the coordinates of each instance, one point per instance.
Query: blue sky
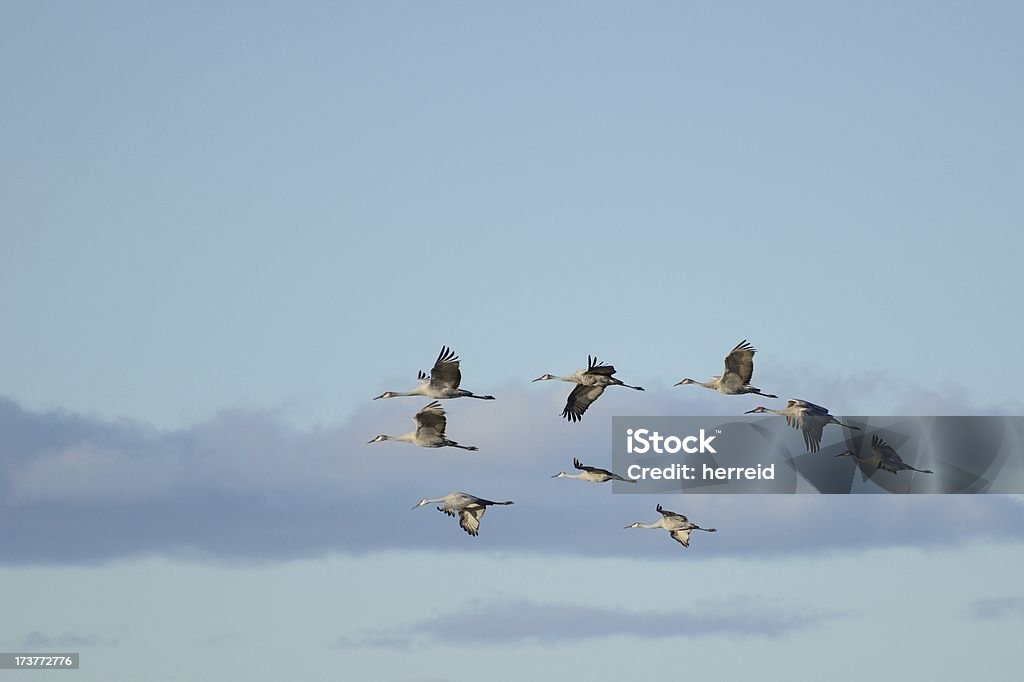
(227, 226)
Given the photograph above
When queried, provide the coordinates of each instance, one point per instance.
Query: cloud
(521, 621)
(996, 608)
(246, 485)
(41, 641)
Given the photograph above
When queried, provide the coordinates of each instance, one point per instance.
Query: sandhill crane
(677, 525)
(469, 509)
(590, 384)
(739, 367)
(429, 433)
(592, 474)
(884, 457)
(811, 419)
(443, 382)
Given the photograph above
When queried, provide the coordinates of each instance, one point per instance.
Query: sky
(227, 226)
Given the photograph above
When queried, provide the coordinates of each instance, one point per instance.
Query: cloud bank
(521, 621)
(246, 485)
(996, 608)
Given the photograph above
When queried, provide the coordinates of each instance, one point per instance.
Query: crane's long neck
(437, 500)
(405, 437)
(656, 524)
(414, 392)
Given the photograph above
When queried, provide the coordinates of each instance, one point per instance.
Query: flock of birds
(444, 383)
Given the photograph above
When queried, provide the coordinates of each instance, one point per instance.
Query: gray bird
(590, 384)
(429, 433)
(739, 367)
(468, 508)
(443, 382)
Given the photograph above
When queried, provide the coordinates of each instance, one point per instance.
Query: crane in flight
(429, 433)
(739, 367)
(442, 383)
(468, 508)
(809, 418)
(592, 474)
(677, 525)
(883, 456)
(590, 384)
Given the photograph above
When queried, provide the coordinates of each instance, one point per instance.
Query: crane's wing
(469, 519)
(583, 467)
(422, 377)
(681, 536)
(595, 366)
(670, 514)
(430, 420)
(807, 405)
(579, 400)
(445, 373)
(882, 448)
(739, 365)
(812, 425)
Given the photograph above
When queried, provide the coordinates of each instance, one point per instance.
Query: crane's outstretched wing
(807, 405)
(579, 400)
(595, 366)
(430, 421)
(812, 425)
(670, 514)
(445, 373)
(469, 519)
(881, 447)
(594, 470)
(681, 536)
(739, 365)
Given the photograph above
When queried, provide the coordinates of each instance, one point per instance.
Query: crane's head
(757, 410)
(385, 394)
(421, 503)
(560, 474)
(379, 439)
(686, 381)
(544, 377)
(635, 524)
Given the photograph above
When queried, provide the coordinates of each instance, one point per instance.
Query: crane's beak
(749, 411)
(556, 476)
(537, 379)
